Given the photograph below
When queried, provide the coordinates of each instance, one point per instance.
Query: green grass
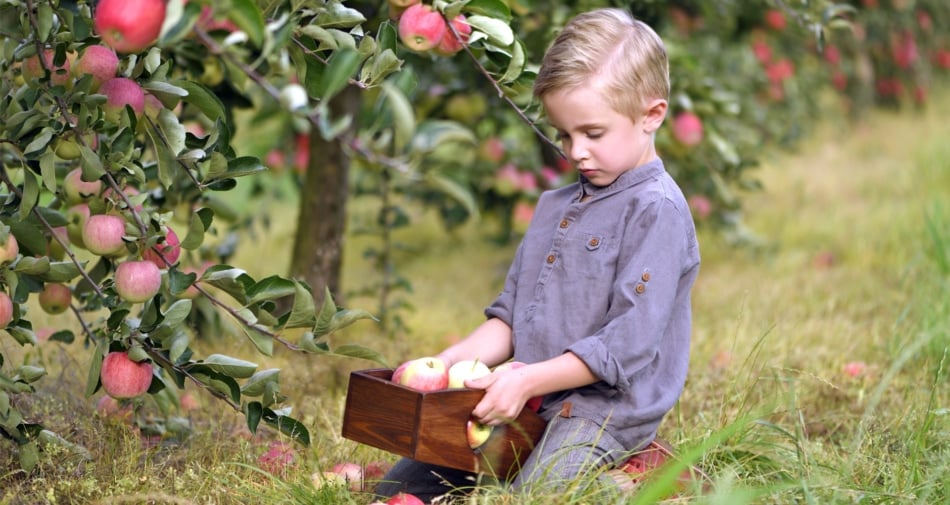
(852, 263)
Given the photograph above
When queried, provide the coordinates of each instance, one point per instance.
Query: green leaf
(303, 313)
(95, 367)
(346, 317)
(288, 426)
(232, 367)
(498, 31)
(404, 121)
(48, 170)
(245, 165)
(336, 14)
(22, 335)
(342, 66)
(256, 385)
(61, 271)
(263, 342)
(197, 226)
(39, 142)
(359, 351)
(490, 8)
(247, 16)
(167, 162)
(515, 64)
(270, 288)
(204, 99)
(453, 189)
(253, 412)
(29, 456)
(177, 313)
(92, 169)
(29, 374)
(435, 133)
(30, 265)
(31, 193)
(322, 326)
(44, 21)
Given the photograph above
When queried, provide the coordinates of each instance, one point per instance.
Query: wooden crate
(430, 426)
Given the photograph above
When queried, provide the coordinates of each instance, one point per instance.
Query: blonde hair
(607, 47)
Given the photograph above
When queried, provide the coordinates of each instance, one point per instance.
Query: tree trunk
(321, 222)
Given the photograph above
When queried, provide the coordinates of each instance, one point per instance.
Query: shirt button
(550, 258)
(564, 223)
(645, 277)
(593, 242)
(640, 288)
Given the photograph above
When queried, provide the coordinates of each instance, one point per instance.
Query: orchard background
(234, 115)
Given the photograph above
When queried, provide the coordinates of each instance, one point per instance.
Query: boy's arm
(489, 343)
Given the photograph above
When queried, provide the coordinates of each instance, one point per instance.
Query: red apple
(123, 378)
(465, 370)
(110, 408)
(9, 248)
(421, 27)
(404, 499)
(119, 92)
(422, 374)
(55, 298)
(280, 456)
(700, 205)
(32, 69)
(688, 128)
(168, 248)
(351, 473)
(102, 234)
(98, 61)
(129, 26)
(775, 19)
(6, 309)
(187, 402)
(492, 149)
(450, 44)
(76, 190)
(137, 281)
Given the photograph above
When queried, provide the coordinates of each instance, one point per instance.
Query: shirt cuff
(601, 362)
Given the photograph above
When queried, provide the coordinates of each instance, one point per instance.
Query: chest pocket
(592, 255)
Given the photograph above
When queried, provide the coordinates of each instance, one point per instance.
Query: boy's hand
(505, 396)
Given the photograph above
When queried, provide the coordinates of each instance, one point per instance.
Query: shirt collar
(627, 179)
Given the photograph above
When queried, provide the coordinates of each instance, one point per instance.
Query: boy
(597, 299)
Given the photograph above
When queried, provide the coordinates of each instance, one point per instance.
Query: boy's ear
(653, 115)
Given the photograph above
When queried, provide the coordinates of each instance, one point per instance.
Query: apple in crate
(477, 433)
(422, 374)
(465, 370)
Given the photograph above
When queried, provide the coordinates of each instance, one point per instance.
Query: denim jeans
(570, 447)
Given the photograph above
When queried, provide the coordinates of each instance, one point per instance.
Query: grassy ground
(818, 371)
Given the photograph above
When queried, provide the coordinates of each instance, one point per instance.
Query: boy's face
(599, 141)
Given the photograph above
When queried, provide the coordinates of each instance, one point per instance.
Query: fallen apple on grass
(404, 499)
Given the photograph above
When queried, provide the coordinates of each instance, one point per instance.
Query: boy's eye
(594, 135)
(559, 136)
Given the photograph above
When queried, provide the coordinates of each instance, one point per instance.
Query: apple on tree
(137, 281)
(9, 248)
(129, 26)
(466, 370)
(119, 92)
(55, 298)
(421, 27)
(6, 309)
(102, 234)
(688, 128)
(123, 378)
(76, 190)
(97, 61)
(450, 43)
(422, 374)
(168, 249)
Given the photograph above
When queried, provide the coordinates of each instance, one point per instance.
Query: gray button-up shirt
(608, 279)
